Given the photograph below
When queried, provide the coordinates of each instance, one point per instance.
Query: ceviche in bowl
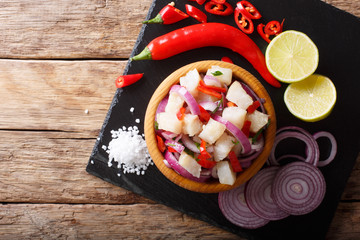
(210, 126)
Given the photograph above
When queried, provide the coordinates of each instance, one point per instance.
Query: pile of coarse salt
(128, 149)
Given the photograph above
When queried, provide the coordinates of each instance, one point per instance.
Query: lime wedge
(311, 99)
(291, 56)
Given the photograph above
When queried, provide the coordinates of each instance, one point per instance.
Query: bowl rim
(163, 89)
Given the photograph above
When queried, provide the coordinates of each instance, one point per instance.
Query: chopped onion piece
(298, 188)
(209, 106)
(238, 134)
(212, 81)
(188, 98)
(175, 145)
(190, 144)
(233, 206)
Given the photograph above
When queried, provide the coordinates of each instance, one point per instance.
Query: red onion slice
(252, 94)
(175, 145)
(258, 195)
(188, 98)
(298, 188)
(209, 106)
(212, 81)
(333, 147)
(233, 206)
(190, 144)
(162, 105)
(238, 134)
(312, 147)
(168, 135)
(170, 158)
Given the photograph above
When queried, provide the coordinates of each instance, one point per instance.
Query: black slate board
(337, 35)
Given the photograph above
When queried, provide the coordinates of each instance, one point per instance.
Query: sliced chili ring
(244, 23)
(196, 13)
(224, 9)
(219, 1)
(260, 30)
(248, 10)
(272, 28)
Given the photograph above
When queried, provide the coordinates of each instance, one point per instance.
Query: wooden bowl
(164, 88)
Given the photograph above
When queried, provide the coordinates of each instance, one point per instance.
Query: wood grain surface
(58, 63)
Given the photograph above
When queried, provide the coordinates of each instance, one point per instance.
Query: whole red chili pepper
(126, 80)
(168, 15)
(243, 22)
(196, 13)
(224, 9)
(248, 10)
(207, 35)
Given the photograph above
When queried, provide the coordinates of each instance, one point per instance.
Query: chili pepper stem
(144, 55)
(157, 19)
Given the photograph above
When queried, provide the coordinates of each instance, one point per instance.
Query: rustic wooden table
(58, 62)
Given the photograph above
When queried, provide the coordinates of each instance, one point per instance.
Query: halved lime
(291, 56)
(311, 99)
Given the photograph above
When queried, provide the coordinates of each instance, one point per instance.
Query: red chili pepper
(253, 107)
(126, 80)
(246, 128)
(168, 15)
(234, 161)
(209, 91)
(260, 30)
(160, 143)
(196, 13)
(217, 89)
(170, 149)
(272, 28)
(205, 156)
(204, 115)
(226, 59)
(201, 2)
(231, 104)
(222, 9)
(208, 35)
(218, 1)
(248, 10)
(244, 23)
(181, 113)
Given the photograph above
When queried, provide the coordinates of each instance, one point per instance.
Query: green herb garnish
(217, 73)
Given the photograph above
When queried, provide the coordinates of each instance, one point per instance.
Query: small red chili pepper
(234, 161)
(160, 143)
(244, 23)
(217, 89)
(272, 28)
(260, 30)
(205, 156)
(201, 2)
(209, 91)
(196, 13)
(168, 15)
(126, 80)
(181, 113)
(207, 35)
(226, 59)
(246, 128)
(221, 9)
(248, 10)
(204, 115)
(231, 104)
(170, 149)
(253, 107)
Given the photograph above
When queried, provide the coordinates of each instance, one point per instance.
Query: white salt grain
(128, 149)
(132, 109)
(137, 120)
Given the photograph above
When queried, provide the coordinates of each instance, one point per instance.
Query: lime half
(311, 99)
(291, 56)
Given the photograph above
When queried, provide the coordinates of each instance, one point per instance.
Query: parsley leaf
(217, 73)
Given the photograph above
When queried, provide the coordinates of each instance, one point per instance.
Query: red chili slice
(234, 161)
(248, 10)
(253, 107)
(224, 9)
(246, 128)
(244, 23)
(272, 28)
(168, 15)
(260, 30)
(160, 143)
(196, 13)
(226, 59)
(204, 115)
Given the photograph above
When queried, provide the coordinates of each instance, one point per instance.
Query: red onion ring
(333, 151)
(233, 206)
(252, 94)
(190, 144)
(212, 81)
(170, 158)
(258, 195)
(298, 188)
(313, 152)
(162, 105)
(175, 145)
(187, 97)
(238, 134)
